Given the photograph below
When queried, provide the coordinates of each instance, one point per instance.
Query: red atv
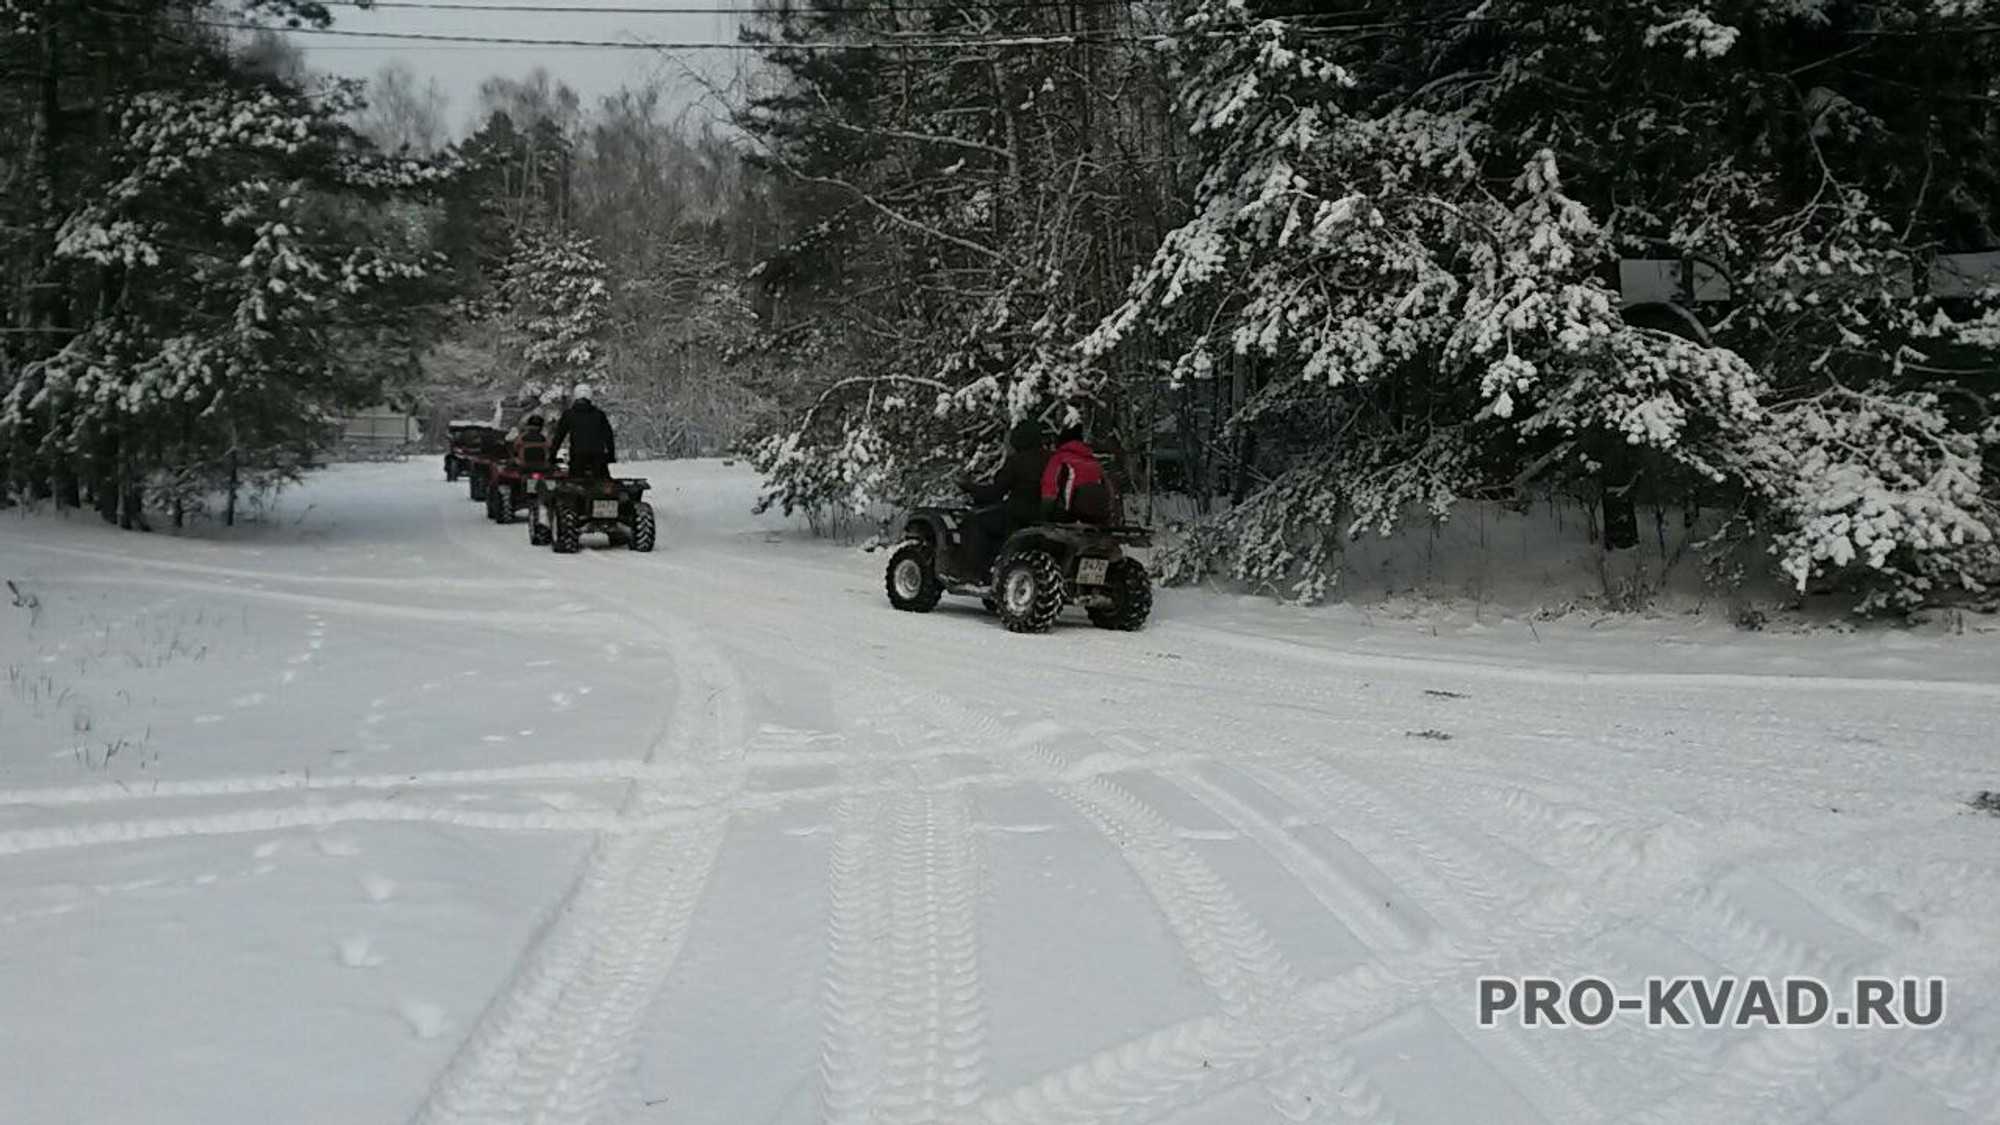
(565, 507)
(475, 448)
(512, 483)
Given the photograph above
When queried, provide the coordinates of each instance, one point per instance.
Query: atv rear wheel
(569, 530)
(912, 578)
(643, 527)
(1131, 594)
(538, 527)
(495, 500)
(451, 468)
(1031, 592)
(476, 485)
(503, 512)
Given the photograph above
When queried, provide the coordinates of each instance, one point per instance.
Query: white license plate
(604, 509)
(1091, 572)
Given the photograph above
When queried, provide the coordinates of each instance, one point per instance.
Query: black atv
(473, 447)
(1041, 569)
(565, 507)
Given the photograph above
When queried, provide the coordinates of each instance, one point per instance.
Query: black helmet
(1027, 434)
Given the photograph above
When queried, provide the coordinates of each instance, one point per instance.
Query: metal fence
(379, 435)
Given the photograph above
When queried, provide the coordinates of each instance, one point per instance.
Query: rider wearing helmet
(1012, 497)
(531, 445)
(592, 447)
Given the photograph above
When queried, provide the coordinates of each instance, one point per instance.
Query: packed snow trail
(372, 812)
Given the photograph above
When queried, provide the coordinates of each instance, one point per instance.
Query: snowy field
(371, 813)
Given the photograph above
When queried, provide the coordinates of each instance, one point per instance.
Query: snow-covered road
(373, 813)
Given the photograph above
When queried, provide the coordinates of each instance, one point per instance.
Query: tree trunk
(131, 498)
(1619, 484)
(229, 507)
(104, 484)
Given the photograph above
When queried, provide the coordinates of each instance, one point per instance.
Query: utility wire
(803, 9)
(920, 42)
(884, 40)
(1385, 18)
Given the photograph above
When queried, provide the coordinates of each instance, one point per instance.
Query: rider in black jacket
(1012, 498)
(592, 448)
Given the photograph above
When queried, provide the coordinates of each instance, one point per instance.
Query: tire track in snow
(902, 1013)
(28, 840)
(1236, 959)
(398, 612)
(1184, 1064)
(558, 1044)
(1289, 1041)
(606, 770)
(1238, 962)
(555, 1045)
(1268, 647)
(663, 809)
(1574, 848)
(226, 574)
(1352, 904)
(1452, 882)
(903, 1022)
(1462, 885)
(1768, 1073)
(1229, 948)
(1325, 1084)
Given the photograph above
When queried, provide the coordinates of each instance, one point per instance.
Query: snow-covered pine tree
(556, 300)
(1786, 152)
(1402, 229)
(250, 274)
(1419, 300)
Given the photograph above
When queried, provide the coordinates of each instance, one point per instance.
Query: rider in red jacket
(1073, 482)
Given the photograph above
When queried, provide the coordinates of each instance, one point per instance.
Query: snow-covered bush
(1883, 489)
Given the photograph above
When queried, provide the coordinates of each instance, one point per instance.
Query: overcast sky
(459, 68)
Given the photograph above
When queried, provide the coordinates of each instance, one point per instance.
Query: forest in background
(1320, 268)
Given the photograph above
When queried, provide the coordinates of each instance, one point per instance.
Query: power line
(1383, 19)
(677, 10)
(1386, 18)
(919, 42)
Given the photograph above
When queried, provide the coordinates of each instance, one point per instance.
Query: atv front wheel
(538, 528)
(1031, 592)
(451, 469)
(912, 579)
(496, 503)
(476, 485)
(643, 527)
(1131, 594)
(569, 531)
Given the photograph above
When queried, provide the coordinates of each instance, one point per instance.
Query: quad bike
(473, 444)
(510, 489)
(1042, 568)
(565, 507)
